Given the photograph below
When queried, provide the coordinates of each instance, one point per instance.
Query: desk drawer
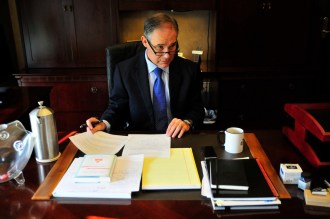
(75, 102)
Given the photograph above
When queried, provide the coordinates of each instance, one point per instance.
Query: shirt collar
(152, 66)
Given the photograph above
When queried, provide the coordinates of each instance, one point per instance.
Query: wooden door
(263, 32)
(92, 31)
(182, 5)
(67, 33)
(44, 31)
(285, 33)
(324, 58)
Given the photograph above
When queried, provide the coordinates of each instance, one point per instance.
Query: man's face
(163, 39)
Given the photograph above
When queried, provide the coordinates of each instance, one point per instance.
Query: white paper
(126, 179)
(206, 189)
(99, 142)
(154, 145)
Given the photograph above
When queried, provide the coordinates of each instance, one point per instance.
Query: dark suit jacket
(130, 100)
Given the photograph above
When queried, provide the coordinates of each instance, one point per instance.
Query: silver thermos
(43, 127)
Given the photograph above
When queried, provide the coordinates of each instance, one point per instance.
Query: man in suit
(132, 100)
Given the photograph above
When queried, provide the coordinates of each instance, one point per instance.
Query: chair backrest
(118, 53)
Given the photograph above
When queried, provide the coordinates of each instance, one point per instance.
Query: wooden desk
(16, 201)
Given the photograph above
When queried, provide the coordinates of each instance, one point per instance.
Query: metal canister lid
(42, 110)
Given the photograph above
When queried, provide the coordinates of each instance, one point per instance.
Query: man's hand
(100, 126)
(177, 127)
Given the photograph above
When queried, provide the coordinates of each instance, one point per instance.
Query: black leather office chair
(118, 53)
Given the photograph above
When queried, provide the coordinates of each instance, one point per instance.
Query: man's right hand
(100, 126)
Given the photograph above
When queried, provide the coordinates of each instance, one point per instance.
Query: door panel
(92, 30)
(67, 33)
(264, 33)
(44, 32)
(325, 49)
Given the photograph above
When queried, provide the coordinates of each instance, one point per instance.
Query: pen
(93, 123)
(327, 183)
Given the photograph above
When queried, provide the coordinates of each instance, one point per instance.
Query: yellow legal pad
(179, 171)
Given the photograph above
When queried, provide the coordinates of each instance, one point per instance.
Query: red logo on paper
(98, 160)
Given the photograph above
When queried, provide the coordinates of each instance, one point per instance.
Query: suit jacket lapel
(175, 80)
(141, 76)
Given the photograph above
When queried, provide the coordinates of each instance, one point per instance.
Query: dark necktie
(159, 101)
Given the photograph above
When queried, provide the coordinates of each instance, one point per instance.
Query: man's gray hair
(156, 21)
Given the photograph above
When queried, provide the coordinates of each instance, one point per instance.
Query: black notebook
(244, 172)
(228, 174)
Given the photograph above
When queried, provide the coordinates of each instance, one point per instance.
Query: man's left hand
(177, 127)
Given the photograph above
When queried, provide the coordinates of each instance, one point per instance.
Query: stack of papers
(258, 196)
(151, 156)
(125, 180)
(155, 145)
(98, 143)
(127, 172)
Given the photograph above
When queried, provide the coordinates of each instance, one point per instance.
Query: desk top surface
(15, 201)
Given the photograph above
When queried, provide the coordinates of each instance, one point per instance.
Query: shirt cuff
(107, 124)
(189, 122)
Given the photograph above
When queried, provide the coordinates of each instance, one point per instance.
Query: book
(259, 187)
(179, 171)
(96, 168)
(317, 200)
(228, 174)
(252, 204)
(256, 207)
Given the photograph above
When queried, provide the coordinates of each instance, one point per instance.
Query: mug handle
(221, 138)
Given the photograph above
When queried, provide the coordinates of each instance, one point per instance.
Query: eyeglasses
(172, 49)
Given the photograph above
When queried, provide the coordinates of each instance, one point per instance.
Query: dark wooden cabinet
(66, 33)
(264, 53)
(182, 5)
(257, 100)
(51, 77)
(73, 103)
(265, 33)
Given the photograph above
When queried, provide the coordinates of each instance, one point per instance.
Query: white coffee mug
(232, 139)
